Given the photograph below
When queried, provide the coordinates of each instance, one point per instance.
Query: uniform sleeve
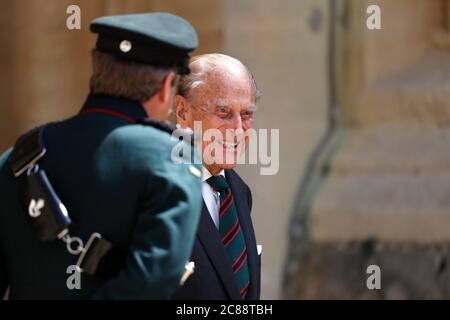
(163, 237)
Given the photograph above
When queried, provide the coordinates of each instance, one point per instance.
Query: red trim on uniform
(109, 112)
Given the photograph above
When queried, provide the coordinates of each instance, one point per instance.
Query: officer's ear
(182, 111)
(180, 108)
(167, 90)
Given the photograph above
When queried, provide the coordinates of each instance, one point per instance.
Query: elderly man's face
(224, 103)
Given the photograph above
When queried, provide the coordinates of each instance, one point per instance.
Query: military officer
(133, 212)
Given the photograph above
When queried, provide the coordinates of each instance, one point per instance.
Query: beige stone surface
(389, 183)
(414, 150)
(390, 207)
(390, 176)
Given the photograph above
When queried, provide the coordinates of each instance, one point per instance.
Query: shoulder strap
(29, 148)
(186, 134)
(160, 125)
(48, 216)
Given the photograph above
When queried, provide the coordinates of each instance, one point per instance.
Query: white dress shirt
(211, 197)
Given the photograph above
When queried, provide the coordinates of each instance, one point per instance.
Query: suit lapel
(210, 239)
(249, 235)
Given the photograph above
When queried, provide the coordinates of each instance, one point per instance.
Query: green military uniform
(116, 177)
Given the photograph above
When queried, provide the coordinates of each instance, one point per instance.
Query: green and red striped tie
(231, 233)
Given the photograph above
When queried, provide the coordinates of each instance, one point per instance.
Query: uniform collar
(124, 106)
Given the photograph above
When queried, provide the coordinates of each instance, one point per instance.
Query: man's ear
(166, 91)
(181, 111)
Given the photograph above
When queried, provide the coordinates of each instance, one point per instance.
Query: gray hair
(195, 78)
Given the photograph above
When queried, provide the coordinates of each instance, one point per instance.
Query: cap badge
(194, 171)
(125, 46)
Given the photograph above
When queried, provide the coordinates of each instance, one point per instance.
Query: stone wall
(384, 176)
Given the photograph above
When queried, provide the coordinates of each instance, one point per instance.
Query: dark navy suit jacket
(213, 278)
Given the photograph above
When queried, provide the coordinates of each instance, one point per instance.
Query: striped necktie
(231, 233)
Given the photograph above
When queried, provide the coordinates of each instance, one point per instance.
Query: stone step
(418, 94)
(389, 206)
(393, 149)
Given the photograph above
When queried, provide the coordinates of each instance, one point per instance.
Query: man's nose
(236, 121)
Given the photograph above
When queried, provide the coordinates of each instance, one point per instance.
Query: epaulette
(160, 125)
(183, 134)
(29, 148)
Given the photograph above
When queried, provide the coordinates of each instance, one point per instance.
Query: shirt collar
(206, 174)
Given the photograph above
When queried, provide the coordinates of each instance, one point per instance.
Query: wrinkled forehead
(224, 91)
(230, 102)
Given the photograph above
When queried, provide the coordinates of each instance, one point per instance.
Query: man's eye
(247, 115)
(223, 112)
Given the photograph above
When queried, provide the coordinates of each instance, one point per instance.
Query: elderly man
(221, 93)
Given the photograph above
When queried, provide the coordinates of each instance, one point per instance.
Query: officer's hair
(125, 78)
(195, 78)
